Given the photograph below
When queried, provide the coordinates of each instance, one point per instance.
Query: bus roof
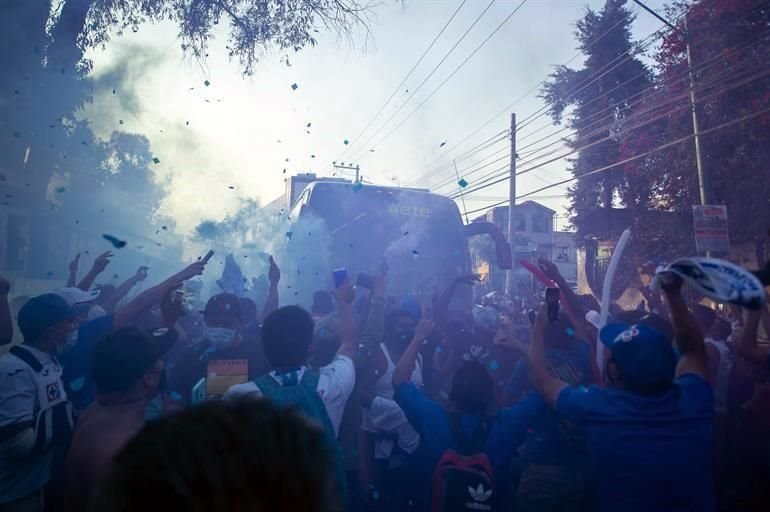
(381, 187)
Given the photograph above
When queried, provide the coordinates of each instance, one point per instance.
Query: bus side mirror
(502, 247)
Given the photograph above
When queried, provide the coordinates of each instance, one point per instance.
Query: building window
(540, 224)
(562, 254)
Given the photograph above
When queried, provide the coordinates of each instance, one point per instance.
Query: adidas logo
(479, 494)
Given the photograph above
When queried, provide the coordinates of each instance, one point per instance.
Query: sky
(243, 132)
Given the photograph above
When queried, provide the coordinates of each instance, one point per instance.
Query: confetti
(164, 228)
(312, 156)
(406, 233)
(346, 142)
(116, 243)
(288, 234)
(2, 177)
(206, 83)
(462, 183)
(16, 91)
(120, 121)
(357, 186)
(84, 143)
(155, 160)
(415, 252)
(294, 87)
(187, 123)
(442, 144)
(17, 135)
(308, 125)
(371, 151)
(59, 190)
(231, 187)
(49, 274)
(494, 365)
(114, 92)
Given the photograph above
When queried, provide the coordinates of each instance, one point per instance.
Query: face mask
(220, 337)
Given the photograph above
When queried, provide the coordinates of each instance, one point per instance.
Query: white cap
(75, 296)
(594, 318)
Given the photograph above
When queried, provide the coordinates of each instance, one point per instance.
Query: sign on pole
(710, 226)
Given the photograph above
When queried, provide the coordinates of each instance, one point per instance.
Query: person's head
(130, 361)
(85, 303)
(399, 328)
(651, 320)
(287, 335)
(472, 388)
(642, 359)
(222, 455)
(704, 316)
(47, 319)
(223, 318)
(323, 303)
(249, 311)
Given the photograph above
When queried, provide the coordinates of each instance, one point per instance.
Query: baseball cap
(125, 355)
(223, 305)
(75, 296)
(41, 313)
(643, 354)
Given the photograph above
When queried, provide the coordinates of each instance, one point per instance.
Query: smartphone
(365, 281)
(207, 257)
(552, 303)
(340, 275)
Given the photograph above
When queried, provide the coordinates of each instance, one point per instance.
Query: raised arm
(405, 366)
(542, 379)
(747, 341)
(349, 342)
(73, 268)
(98, 267)
(122, 290)
(271, 302)
(441, 306)
(6, 320)
(154, 295)
(688, 337)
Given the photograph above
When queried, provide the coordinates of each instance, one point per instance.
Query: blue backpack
(303, 397)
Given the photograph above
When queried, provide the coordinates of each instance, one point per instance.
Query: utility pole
(349, 168)
(510, 282)
(704, 183)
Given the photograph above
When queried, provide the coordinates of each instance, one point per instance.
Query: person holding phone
(650, 433)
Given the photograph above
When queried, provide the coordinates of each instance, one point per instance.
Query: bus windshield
(420, 235)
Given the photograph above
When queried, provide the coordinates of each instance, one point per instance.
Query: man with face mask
(129, 374)
(224, 357)
(35, 415)
(76, 356)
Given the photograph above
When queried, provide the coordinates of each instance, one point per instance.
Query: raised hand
(75, 264)
(424, 329)
(550, 269)
(101, 262)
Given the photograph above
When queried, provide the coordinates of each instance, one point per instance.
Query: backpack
(304, 398)
(463, 479)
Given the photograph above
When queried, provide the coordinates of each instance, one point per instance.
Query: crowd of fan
(371, 403)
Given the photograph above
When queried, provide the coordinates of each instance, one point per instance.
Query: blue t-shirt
(506, 432)
(76, 362)
(553, 440)
(649, 452)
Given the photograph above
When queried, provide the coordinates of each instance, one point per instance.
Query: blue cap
(644, 355)
(41, 313)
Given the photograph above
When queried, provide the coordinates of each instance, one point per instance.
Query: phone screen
(552, 303)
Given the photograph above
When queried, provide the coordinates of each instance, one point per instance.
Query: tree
(730, 47)
(600, 95)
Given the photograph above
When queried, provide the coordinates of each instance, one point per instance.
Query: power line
(631, 159)
(433, 71)
(517, 100)
(657, 106)
(457, 69)
(400, 85)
